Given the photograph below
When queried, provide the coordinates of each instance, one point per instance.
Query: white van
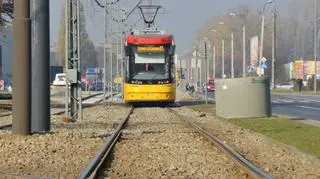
(60, 80)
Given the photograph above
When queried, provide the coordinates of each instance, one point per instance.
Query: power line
(102, 6)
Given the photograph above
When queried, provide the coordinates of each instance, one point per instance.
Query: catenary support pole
(232, 56)
(21, 117)
(273, 47)
(223, 74)
(214, 61)
(105, 52)
(244, 50)
(206, 71)
(40, 109)
(315, 46)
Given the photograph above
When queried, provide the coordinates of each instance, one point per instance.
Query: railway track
(97, 166)
(249, 166)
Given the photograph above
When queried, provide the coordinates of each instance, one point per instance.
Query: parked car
(60, 80)
(285, 86)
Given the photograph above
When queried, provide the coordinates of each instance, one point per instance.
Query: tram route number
(151, 49)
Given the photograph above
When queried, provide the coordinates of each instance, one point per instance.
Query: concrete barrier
(243, 98)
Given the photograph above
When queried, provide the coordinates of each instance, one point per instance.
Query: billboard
(298, 68)
(309, 67)
(254, 47)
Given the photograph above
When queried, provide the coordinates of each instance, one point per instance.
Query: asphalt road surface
(296, 106)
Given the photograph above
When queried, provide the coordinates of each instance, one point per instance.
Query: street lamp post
(214, 61)
(223, 74)
(243, 16)
(315, 46)
(262, 29)
(105, 53)
(232, 50)
(222, 59)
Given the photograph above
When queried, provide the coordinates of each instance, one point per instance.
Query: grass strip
(302, 136)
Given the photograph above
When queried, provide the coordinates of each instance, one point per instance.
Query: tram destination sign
(150, 49)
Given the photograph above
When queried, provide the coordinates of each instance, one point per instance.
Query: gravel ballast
(156, 144)
(280, 160)
(65, 151)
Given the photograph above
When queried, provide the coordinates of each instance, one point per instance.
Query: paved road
(296, 106)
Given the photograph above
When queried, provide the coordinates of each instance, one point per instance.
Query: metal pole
(66, 15)
(121, 61)
(315, 46)
(79, 61)
(21, 117)
(273, 48)
(200, 74)
(40, 110)
(223, 75)
(206, 71)
(111, 51)
(105, 53)
(197, 75)
(214, 61)
(232, 56)
(261, 38)
(118, 42)
(244, 51)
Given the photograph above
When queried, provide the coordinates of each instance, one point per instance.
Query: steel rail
(5, 126)
(95, 164)
(249, 166)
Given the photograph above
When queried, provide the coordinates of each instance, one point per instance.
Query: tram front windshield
(150, 66)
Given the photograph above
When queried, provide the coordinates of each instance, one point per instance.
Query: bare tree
(6, 12)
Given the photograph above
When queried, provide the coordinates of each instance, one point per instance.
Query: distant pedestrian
(187, 87)
(300, 84)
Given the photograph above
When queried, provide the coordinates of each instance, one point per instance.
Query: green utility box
(243, 98)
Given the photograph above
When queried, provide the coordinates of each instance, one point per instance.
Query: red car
(210, 85)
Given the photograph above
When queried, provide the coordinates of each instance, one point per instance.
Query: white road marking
(307, 107)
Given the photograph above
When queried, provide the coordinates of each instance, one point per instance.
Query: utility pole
(66, 13)
(232, 56)
(105, 52)
(244, 50)
(21, 111)
(262, 29)
(214, 61)
(206, 71)
(261, 38)
(197, 74)
(117, 31)
(315, 46)
(40, 109)
(274, 47)
(73, 57)
(111, 50)
(223, 75)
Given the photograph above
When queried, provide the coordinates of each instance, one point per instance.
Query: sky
(182, 18)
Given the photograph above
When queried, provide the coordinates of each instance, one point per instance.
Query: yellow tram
(150, 69)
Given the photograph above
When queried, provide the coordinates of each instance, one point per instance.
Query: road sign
(264, 59)
(264, 64)
(118, 80)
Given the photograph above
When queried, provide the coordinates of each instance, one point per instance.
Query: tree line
(294, 35)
